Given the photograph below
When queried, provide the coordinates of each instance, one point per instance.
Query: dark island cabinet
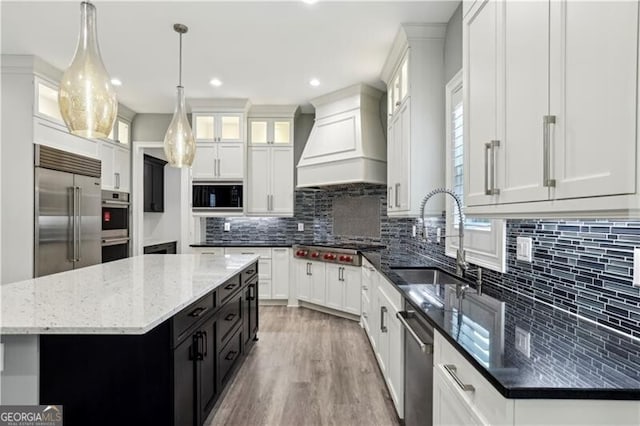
(172, 375)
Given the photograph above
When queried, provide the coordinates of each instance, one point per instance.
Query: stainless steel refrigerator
(67, 211)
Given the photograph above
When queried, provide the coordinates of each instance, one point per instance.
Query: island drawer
(229, 316)
(252, 270)
(229, 356)
(226, 290)
(183, 320)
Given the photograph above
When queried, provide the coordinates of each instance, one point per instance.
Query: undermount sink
(426, 276)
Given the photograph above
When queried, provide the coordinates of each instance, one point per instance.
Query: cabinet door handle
(206, 342)
(215, 167)
(365, 288)
(219, 171)
(397, 195)
(230, 317)
(364, 315)
(397, 103)
(389, 203)
(230, 286)
(198, 311)
(453, 372)
(231, 355)
(199, 353)
(252, 291)
(308, 269)
(490, 168)
(383, 327)
(487, 150)
(547, 121)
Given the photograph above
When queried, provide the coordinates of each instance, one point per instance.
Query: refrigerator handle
(78, 258)
(73, 223)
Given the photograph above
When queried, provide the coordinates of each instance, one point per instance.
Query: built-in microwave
(217, 196)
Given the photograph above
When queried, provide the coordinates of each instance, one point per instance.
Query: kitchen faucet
(461, 264)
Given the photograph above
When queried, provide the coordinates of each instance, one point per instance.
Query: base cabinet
(169, 376)
(380, 303)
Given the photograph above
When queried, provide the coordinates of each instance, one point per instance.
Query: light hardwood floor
(308, 368)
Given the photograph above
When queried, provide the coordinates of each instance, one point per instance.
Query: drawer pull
(230, 286)
(250, 271)
(231, 355)
(452, 370)
(230, 317)
(198, 311)
(246, 252)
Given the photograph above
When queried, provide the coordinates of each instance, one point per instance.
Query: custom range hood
(346, 144)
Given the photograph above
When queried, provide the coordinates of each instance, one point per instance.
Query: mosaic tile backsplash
(583, 266)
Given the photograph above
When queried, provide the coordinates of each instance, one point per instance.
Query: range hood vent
(346, 144)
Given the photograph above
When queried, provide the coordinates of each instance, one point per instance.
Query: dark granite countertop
(570, 358)
(243, 244)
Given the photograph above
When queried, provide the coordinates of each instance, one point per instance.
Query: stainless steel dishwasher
(418, 368)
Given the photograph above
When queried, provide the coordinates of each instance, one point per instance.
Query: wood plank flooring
(308, 368)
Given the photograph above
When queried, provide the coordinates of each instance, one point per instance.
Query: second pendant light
(179, 144)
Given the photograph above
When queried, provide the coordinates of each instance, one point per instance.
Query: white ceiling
(266, 51)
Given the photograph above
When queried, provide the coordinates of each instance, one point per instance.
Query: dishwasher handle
(427, 348)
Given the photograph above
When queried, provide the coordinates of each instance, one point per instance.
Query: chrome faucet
(461, 264)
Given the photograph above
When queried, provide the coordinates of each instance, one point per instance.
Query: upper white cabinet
(414, 74)
(46, 101)
(269, 131)
(551, 107)
(115, 166)
(219, 127)
(270, 190)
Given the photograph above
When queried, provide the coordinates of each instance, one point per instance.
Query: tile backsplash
(582, 266)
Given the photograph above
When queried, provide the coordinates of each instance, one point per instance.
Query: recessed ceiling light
(116, 82)
(310, 1)
(314, 82)
(215, 82)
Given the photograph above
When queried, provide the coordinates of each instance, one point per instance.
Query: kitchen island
(145, 340)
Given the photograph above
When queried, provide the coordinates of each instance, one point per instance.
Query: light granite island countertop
(128, 296)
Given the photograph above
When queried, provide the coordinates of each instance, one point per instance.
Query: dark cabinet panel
(153, 184)
(184, 384)
(251, 312)
(229, 356)
(166, 248)
(206, 368)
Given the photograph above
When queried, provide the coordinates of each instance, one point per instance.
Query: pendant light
(86, 98)
(179, 144)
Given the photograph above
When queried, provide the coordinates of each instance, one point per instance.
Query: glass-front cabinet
(270, 131)
(47, 101)
(398, 89)
(218, 127)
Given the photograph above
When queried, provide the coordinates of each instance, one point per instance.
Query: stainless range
(344, 254)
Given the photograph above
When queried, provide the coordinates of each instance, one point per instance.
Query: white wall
(165, 227)
(453, 45)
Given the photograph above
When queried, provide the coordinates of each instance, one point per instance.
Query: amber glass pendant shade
(87, 100)
(179, 143)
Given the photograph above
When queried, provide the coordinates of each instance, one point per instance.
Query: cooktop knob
(348, 258)
(343, 258)
(315, 254)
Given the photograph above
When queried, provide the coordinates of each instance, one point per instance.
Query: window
(484, 239)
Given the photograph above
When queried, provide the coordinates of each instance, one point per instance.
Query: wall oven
(115, 225)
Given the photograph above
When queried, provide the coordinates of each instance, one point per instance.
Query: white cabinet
(271, 131)
(302, 279)
(218, 127)
(270, 189)
(414, 75)
(273, 267)
(46, 101)
(115, 166)
(380, 302)
(542, 93)
(280, 259)
(310, 281)
(343, 288)
(270, 174)
(218, 161)
(449, 408)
